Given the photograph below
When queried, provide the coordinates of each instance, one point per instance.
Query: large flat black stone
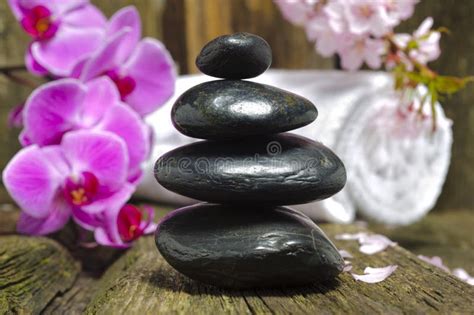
(249, 246)
(282, 169)
(232, 109)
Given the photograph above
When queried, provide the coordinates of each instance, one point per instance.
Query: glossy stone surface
(232, 108)
(236, 56)
(240, 247)
(283, 169)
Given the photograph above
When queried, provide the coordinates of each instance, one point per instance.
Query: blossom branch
(361, 31)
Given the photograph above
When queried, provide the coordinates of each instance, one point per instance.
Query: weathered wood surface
(447, 234)
(185, 25)
(75, 300)
(33, 271)
(141, 282)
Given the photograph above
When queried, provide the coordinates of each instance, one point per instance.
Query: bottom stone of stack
(247, 246)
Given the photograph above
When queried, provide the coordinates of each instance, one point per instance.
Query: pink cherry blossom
(400, 9)
(327, 40)
(68, 104)
(359, 49)
(423, 45)
(63, 33)
(143, 71)
(297, 12)
(360, 17)
(87, 171)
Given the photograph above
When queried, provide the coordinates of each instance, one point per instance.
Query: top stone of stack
(235, 108)
(236, 56)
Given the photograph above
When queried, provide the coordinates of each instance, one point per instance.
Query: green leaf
(450, 85)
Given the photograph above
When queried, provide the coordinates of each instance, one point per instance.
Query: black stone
(236, 56)
(283, 169)
(244, 247)
(232, 109)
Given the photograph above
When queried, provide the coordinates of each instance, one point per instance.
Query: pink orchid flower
(68, 104)
(87, 171)
(63, 33)
(15, 116)
(143, 71)
(119, 226)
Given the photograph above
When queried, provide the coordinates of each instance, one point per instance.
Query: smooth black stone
(242, 247)
(236, 56)
(232, 109)
(283, 169)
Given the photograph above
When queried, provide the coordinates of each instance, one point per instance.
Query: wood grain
(141, 282)
(75, 300)
(33, 271)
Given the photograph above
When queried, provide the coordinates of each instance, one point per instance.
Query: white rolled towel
(396, 166)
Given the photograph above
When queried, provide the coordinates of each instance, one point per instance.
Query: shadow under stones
(176, 282)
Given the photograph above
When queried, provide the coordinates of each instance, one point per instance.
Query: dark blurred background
(186, 25)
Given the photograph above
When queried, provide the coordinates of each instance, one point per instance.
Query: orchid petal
(104, 154)
(51, 111)
(106, 58)
(375, 275)
(86, 16)
(108, 234)
(149, 226)
(101, 97)
(33, 66)
(152, 68)
(127, 17)
(15, 116)
(16, 10)
(124, 122)
(58, 217)
(61, 53)
(103, 238)
(33, 180)
(115, 200)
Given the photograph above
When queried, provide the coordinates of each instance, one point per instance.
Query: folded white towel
(396, 167)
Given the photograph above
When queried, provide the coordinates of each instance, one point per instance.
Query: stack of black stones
(246, 169)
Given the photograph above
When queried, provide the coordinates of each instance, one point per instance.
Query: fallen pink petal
(435, 261)
(369, 243)
(463, 275)
(375, 275)
(345, 254)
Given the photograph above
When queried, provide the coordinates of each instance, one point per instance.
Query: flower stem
(9, 72)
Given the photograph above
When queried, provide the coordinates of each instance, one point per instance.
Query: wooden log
(9, 215)
(447, 234)
(141, 282)
(75, 300)
(32, 272)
